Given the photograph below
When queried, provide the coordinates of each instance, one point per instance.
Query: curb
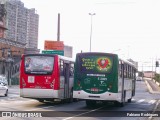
(150, 89)
(148, 86)
(158, 101)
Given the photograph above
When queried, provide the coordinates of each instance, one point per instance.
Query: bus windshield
(96, 64)
(39, 64)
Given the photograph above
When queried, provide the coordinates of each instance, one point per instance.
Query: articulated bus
(46, 77)
(103, 77)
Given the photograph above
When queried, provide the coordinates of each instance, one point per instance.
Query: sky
(129, 28)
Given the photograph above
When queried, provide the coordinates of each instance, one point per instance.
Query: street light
(91, 14)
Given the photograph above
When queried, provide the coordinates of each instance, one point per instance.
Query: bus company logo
(6, 114)
(103, 64)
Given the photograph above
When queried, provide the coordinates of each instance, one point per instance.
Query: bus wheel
(122, 104)
(130, 100)
(40, 100)
(75, 99)
(91, 103)
(123, 100)
(119, 104)
(71, 97)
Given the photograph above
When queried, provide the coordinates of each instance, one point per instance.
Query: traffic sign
(53, 45)
(58, 52)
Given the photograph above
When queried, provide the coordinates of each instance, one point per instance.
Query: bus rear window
(39, 64)
(96, 64)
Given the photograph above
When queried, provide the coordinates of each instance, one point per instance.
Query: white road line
(133, 99)
(40, 108)
(82, 114)
(11, 100)
(142, 100)
(152, 101)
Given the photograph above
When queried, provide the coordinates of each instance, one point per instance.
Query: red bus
(46, 77)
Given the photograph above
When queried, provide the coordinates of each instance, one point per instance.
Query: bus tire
(91, 103)
(122, 104)
(40, 100)
(123, 100)
(75, 99)
(71, 97)
(119, 104)
(129, 100)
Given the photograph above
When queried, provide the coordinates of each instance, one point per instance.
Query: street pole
(58, 28)
(91, 14)
(152, 68)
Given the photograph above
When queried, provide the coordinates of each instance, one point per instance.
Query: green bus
(103, 77)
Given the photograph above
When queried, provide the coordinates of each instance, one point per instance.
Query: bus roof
(62, 57)
(128, 62)
(100, 53)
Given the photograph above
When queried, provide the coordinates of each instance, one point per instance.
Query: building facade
(22, 23)
(149, 74)
(2, 20)
(18, 33)
(32, 28)
(10, 56)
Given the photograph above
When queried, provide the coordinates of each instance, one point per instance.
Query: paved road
(155, 90)
(143, 101)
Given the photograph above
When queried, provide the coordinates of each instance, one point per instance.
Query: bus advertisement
(46, 77)
(103, 77)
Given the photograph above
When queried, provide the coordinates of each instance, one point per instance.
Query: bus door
(66, 80)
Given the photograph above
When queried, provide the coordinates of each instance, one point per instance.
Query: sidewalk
(157, 105)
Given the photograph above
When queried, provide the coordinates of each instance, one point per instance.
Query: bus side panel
(57, 78)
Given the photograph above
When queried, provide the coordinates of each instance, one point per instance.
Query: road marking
(152, 101)
(40, 108)
(142, 100)
(4, 101)
(82, 113)
(155, 107)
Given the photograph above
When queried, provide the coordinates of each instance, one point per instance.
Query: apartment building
(22, 23)
(32, 28)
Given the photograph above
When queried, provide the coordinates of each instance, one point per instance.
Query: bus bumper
(103, 96)
(38, 93)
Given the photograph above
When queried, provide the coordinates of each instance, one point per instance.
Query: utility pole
(58, 28)
(91, 14)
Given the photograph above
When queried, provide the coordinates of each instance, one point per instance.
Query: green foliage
(157, 77)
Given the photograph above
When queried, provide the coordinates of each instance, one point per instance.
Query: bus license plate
(30, 79)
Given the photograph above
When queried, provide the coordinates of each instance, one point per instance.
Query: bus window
(61, 68)
(39, 64)
(120, 68)
(71, 69)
